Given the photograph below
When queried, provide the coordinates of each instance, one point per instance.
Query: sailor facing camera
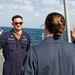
(14, 44)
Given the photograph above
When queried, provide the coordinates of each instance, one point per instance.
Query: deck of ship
(1, 62)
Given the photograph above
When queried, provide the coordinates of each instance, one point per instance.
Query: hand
(73, 33)
(1, 32)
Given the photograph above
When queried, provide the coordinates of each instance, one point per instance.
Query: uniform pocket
(11, 50)
(23, 44)
(11, 45)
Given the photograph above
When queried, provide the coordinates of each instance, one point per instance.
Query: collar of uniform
(54, 38)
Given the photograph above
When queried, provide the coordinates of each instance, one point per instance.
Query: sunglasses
(16, 23)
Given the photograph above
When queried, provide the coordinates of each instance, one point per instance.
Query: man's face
(17, 23)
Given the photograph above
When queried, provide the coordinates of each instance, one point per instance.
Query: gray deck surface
(1, 62)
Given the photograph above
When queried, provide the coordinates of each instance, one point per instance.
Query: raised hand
(1, 31)
(73, 33)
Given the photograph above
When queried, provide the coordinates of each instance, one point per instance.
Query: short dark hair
(17, 16)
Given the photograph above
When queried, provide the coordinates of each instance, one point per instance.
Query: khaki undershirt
(17, 35)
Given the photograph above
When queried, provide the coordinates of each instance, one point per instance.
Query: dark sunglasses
(16, 23)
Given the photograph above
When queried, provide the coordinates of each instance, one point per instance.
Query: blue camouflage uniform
(51, 57)
(14, 51)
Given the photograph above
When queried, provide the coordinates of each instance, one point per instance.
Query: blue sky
(33, 12)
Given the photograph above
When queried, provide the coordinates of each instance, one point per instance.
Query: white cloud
(37, 14)
(35, 10)
(27, 2)
(1, 6)
(18, 0)
(71, 7)
(50, 2)
(28, 8)
(72, 3)
(18, 7)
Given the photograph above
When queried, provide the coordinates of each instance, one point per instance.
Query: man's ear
(12, 24)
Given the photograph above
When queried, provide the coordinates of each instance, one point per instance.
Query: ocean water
(35, 34)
